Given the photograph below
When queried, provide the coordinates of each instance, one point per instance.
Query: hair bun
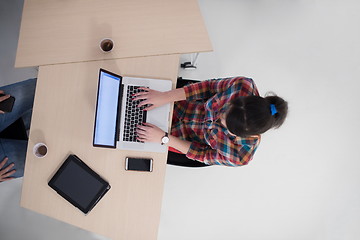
(281, 107)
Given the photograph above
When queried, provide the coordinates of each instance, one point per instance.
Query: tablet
(79, 184)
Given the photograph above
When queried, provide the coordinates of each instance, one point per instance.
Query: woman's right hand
(152, 98)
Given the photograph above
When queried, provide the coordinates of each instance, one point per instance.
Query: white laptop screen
(106, 109)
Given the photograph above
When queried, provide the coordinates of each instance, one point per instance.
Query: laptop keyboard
(133, 115)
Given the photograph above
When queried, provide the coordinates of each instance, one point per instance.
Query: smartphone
(7, 105)
(139, 164)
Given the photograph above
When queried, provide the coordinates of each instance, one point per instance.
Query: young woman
(215, 122)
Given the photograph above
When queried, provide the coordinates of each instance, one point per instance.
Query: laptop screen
(106, 109)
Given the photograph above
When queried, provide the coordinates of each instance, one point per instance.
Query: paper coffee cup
(40, 150)
(107, 45)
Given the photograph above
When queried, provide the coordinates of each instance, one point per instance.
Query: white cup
(40, 150)
(106, 45)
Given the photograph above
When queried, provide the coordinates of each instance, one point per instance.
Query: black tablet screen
(79, 184)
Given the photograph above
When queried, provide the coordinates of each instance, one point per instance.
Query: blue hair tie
(273, 109)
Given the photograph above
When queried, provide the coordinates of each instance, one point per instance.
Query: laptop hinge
(121, 92)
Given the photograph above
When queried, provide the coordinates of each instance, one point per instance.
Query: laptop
(117, 115)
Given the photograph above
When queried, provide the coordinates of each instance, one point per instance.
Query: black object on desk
(79, 184)
(16, 131)
(7, 104)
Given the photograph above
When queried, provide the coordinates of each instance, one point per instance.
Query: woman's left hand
(5, 173)
(149, 133)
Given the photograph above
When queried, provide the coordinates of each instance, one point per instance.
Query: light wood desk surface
(63, 118)
(57, 31)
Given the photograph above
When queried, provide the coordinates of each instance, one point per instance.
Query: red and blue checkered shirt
(197, 119)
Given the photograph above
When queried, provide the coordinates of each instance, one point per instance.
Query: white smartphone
(139, 164)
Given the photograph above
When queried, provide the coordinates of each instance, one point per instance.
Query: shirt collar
(213, 114)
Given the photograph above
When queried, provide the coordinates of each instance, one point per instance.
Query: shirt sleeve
(207, 89)
(234, 157)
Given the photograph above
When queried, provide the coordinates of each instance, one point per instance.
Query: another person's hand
(149, 133)
(3, 98)
(151, 97)
(5, 173)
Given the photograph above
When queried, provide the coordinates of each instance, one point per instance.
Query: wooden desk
(57, 31)
(63, 118)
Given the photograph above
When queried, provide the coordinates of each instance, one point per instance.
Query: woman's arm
(179, 144)
(205, 90)
(233, 155)
(228, 156)
(175, 95)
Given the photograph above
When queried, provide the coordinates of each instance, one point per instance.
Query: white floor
(304, 180)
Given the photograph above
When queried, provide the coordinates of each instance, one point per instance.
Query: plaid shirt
(197, 119)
